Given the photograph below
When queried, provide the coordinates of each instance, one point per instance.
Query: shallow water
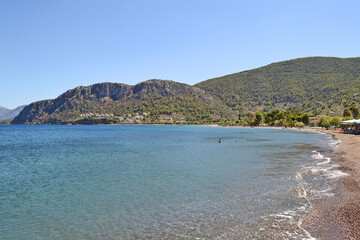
(151, 182)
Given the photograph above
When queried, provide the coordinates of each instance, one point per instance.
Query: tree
(335, 121)
(354, 110)
(268, 120)
(270, 116)
(258, 118)
(291, 123)
(299, 124)
(347, 113)
(305, 118)
(324, 121)
(280, 115)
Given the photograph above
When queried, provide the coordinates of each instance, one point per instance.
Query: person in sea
(220, 140)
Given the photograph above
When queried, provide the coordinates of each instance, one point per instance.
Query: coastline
(338, 217)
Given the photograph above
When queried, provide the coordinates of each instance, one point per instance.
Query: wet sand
(339, 217)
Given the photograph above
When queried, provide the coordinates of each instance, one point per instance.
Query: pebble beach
(339, 217)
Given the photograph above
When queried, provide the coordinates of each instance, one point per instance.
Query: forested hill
(147, 102)
(314, 84)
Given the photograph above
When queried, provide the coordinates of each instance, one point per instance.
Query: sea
(160, 182)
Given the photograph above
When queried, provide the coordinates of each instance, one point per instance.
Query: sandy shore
(339, 217)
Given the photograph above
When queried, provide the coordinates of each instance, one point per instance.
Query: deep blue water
(152, 182)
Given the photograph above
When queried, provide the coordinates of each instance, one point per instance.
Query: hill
(9, 113)
(159, 100)
(314, 84)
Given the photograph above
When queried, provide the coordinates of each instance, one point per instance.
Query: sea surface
(160, 182)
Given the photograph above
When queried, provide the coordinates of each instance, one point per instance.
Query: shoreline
(338, 217)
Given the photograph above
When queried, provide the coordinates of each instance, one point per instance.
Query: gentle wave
(322, 170)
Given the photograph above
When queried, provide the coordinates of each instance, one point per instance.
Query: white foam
(322, 193)
(327, 160)
(334, 143)
(308, 236)
(302, 208)
(299, 176)
(317, 155)
(284, 216)
(316, 170)
(302, 192)
(326, 190)
(335, 174)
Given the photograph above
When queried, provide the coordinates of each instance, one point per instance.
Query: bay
(153, 182)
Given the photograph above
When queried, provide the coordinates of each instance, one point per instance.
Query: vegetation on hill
(106, 103)
(283, 93)
(285, 118)
(314, 84)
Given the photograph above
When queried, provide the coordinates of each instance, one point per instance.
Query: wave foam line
(317, 155)
(303, 193)
(308, 235)
(327, 160)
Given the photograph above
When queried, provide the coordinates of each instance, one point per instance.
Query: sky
(48, 47)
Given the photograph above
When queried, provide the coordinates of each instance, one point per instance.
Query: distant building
(165, 118)
(314, 118)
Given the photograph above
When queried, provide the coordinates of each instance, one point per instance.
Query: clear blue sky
(48, 46)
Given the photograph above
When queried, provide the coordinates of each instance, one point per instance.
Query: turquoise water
(152, 182)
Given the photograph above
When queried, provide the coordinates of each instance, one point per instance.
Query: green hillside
(153, 101)
(314, 84)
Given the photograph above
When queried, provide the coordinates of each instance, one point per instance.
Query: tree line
(291, 118)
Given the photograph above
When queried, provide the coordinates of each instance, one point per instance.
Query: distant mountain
(113, 100)
(314, 84)
(9, 113)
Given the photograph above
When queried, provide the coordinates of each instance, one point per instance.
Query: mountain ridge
(314, 84)
(6, 113)
(119, 99)
(300, 84)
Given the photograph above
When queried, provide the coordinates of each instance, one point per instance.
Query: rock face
(114, 98)
(9, 113)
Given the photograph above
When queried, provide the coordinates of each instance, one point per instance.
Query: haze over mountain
(158, 97)
(314, 84)
(9, 113)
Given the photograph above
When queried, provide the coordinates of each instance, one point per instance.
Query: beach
(339, 217)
